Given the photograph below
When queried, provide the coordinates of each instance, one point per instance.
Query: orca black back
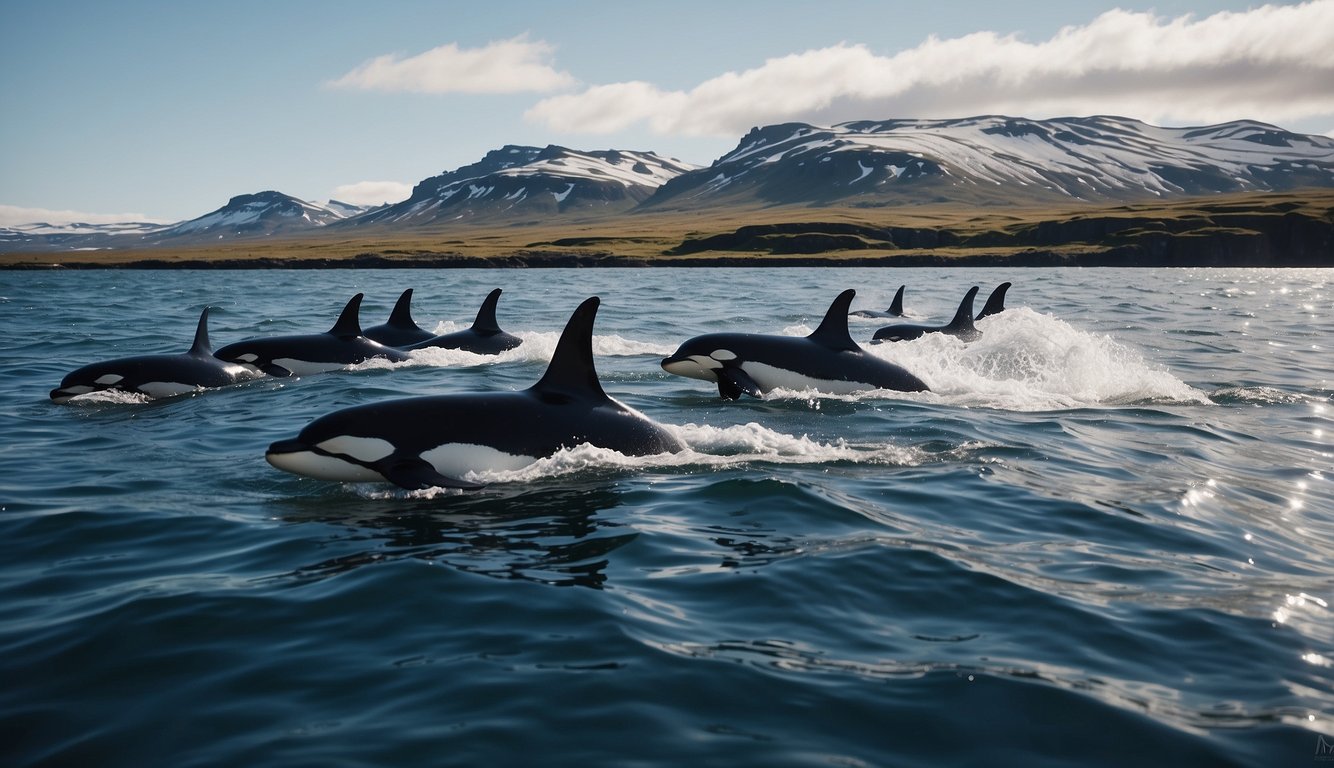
(485, 322)
(349, 322)
(995, 302)
(485, 337)
(400, 330)
(833, 331)
(896, 306)
(571, 372)
(201, 346)
(962, 324)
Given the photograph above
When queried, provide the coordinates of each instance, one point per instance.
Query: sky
(162, 111)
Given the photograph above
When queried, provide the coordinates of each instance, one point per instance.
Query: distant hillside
(973, 162)
(72, 237)
(532, 182)
(1001, 160)
(1249, 229)
(263, 214)
(260, 214)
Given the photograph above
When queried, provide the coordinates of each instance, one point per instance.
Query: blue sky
(164, 110)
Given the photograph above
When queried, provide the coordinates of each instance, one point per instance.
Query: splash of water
(707, 447)
(1027, 361)
(1024, 361)
(109, 397)
(537, 347)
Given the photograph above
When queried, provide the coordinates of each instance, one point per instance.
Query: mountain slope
(976, 161)
(526, 181)
(262, 214)
(73, 236)
(995, 159)
(259, 214)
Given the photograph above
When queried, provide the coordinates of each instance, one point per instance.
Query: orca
(828, 360)
(995, 302)
(401, 330)
(434, 441)
(483, 338)
(340, 346)
(961, 326)
(156, 375)
(895, 308)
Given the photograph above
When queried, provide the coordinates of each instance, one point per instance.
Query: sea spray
(102, 397)
(708, 448)
(537, 347)
(1026, 361)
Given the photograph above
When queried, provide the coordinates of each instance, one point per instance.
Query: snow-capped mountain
(346, 210)
(1000, 159)
(970, 161)
(44, 236)
(263, 213)
(516, 180)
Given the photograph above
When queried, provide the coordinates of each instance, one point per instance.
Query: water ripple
(1104, 539)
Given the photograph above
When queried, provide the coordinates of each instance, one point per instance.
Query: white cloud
(1271, 63)
(372, 192)
(13, 215)
(505, 66)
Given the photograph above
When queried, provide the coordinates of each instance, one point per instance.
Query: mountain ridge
(1253, 229)
(985, 160)
(258, 214)
(994, 159)
(518, 180)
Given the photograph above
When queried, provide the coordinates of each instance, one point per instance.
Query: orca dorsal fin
(486, 316)
(571, 372)
(401, 317)
(963, 318)
(995, 302)
(833, 331)
(896, 306)
(202, 347)
(349, 323)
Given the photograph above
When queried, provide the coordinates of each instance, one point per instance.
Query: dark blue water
(1105, 538)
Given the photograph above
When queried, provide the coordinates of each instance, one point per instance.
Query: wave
(1260, 396)
(707, 447)
(537, 347)
(109, 397)
(1027, 361)
(1024, 361)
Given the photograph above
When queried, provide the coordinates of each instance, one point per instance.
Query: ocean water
(1106, 537)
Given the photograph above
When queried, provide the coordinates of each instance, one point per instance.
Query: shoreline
(1123, 256)
(1281, 230)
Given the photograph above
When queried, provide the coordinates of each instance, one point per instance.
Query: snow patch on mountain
(264, 210)
(1083, 158)
(539, 180)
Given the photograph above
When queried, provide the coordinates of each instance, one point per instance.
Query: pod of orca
(438, 441)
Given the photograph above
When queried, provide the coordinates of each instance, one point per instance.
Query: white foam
(381, 364)
(537, 347)
(110, 396)
(725, 446)
(1026, 361)
(707, 447)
